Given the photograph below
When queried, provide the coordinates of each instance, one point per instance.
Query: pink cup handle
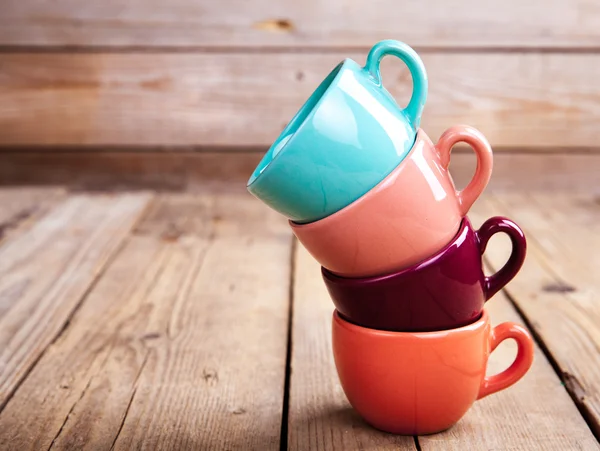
(483, 151)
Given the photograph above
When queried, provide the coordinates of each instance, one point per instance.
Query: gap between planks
(558, 289)
(156, 337)
(288, 358)
(536, 413)
(47, 271)
(307, 290)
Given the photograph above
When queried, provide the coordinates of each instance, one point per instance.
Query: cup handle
(495, 282)
(414, 109)
(483, 151)
(522, 363)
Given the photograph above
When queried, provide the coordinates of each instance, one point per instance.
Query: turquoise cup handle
(414, 109)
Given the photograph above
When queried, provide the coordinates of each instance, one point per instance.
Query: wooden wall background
(223, 75)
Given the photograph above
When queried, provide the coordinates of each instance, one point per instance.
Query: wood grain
(181, 345)
(335, 23)
(524, 416)
(320, 417)
(521, 100)
(45, 273)
(21, 207)
(235, 213)
(558, 286)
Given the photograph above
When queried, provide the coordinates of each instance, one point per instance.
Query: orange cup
(416, 383)
(410, 215)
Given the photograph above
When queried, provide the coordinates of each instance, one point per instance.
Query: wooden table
(147, 320)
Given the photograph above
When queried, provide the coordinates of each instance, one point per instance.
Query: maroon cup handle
(495, 282)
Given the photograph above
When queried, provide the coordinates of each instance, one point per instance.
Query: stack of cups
(370, 197)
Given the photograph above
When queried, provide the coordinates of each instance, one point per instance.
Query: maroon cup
(445, 291)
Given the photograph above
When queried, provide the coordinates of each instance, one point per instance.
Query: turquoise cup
(347, 137)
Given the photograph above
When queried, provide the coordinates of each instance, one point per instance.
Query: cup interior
(295, 124)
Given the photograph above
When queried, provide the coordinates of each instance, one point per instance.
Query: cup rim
(434, 334)
(267, 160)
(420, 136)
(332, 278)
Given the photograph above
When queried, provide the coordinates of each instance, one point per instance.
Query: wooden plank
(320, 417)
(234, 212)
(21, 207)
(311, 23)
(45, 272)
(214, 99)
(193, 171)
(181, 344)
(533, 414)
(558, 288)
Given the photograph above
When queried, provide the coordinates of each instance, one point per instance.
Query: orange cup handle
(522, 363)
(483, 151)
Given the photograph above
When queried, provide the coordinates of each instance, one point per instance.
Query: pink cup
(410, 215)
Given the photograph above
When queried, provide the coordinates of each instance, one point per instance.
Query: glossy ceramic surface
(347, 137)
(422, 383)
(445, 291)
(409, 216)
